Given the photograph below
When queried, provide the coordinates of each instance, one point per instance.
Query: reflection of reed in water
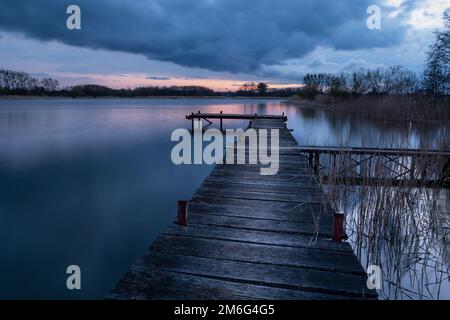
(398, 228)
(443, 208)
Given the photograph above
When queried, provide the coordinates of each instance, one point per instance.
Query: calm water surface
(91, 183)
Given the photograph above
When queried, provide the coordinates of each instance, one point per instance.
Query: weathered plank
(306, 228)
(300, 214)
(259, 237)
(261, 187)
(345, 262)
(142, 282)
(256, 204)
(268, 196)
(280, 176)
(262, 182)
(262, 274)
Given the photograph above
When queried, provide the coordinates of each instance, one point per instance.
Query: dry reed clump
(397, 227)
(387, 107)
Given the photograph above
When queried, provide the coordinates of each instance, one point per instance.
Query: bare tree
(399, 81)
(262, 88)
(49, 84)
(437, 71)
(17, 82)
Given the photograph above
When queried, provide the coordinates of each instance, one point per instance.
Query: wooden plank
(256, 205)
(261, 182)
(259, 237)
(292, 180)
(280, 176)
(290, 171)
(259, 196)
(242, 223)
(284, 160)
(301, 214)
(142, 283)
(258, 274)
(253, 187)
(283, 167)
(345, 262)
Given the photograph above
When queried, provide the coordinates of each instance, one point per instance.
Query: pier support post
(316, 165)
(182, 212)
(445, 169)
(412, 169)
(338, 226)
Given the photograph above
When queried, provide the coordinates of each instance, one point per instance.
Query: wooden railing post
(221, 119)
(445, 169)
(413, 168)
(338, 226)
(182, 212)
(316, 166)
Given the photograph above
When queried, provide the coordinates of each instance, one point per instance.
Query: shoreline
(388, 114)
(147, 97)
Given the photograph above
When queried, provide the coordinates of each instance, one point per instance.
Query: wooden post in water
(338, 226)
(445, 169)
(413, 168)
(316, 165)
(182, 212)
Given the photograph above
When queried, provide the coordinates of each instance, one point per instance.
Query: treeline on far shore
(392, 81)
(19, 83)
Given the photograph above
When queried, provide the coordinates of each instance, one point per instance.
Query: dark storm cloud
(219, 35)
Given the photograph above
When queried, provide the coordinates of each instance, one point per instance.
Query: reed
(398, 228)
(386, 107)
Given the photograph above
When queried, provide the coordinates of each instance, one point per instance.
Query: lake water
(91, 182)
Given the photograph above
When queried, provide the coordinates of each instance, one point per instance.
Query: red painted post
(182, 212)
(338, 226)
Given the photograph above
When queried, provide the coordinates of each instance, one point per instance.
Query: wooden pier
(250, 236)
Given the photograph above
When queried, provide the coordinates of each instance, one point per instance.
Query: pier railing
(231, 116)
(414, 167)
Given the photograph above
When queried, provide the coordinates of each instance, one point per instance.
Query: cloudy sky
(215, 43)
